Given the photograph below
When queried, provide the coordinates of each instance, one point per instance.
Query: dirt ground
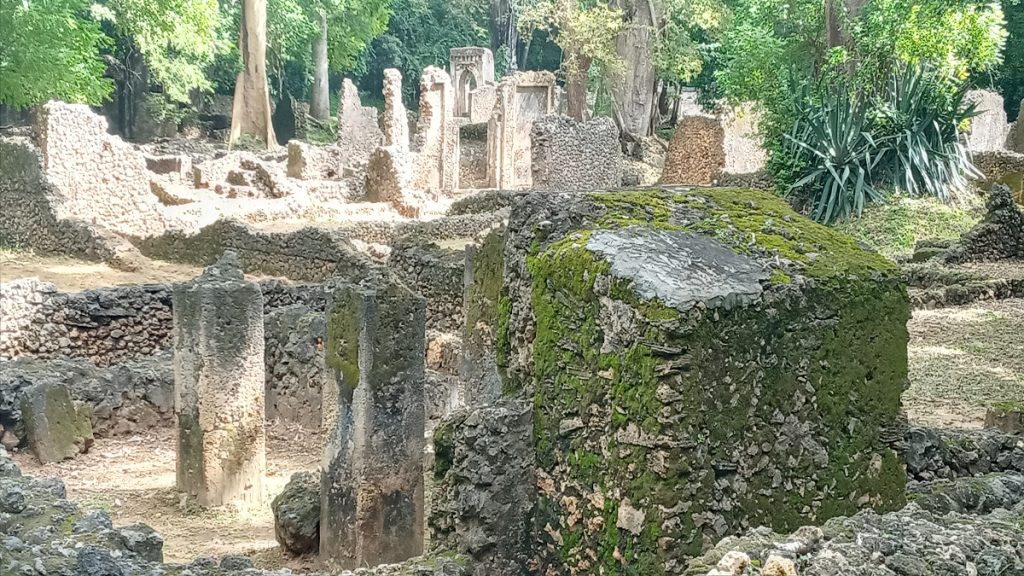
(963, 359)
(73, 275)
(132, 478)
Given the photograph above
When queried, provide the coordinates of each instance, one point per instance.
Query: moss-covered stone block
(700, 361)
(56, 428)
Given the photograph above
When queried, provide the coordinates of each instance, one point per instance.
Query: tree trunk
(251, 112)
(504, 32)
(576, 89)
(320, 101)
(633, 88)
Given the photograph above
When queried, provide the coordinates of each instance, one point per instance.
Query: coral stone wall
(96, 177)
(700, 362)
(578, 156)
(436, 274)
(695, 154)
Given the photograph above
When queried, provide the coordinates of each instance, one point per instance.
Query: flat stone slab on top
(680, 268)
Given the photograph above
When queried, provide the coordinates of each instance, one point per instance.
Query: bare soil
(73, 275)
(132, 478)
(963, 359)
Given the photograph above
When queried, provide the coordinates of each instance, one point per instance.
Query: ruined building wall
(437, 136)
(521, 98)
(688, 385)
(30, 212)
(358, 130)
(95, 177)
(720, 149)
(569, 155)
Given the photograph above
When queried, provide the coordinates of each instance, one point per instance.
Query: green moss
(444, 449)
(342, 351)
(749, 221)
(841, 340)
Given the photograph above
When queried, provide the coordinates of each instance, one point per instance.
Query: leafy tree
(1011, 73)
(586, 33)
(50, 49)
(176, 40)
(420, 33)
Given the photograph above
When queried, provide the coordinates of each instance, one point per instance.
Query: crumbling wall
(32, 216)
(1002, 167)
(436, 167)
(294, 357)
(436, 274)
(697, 369)
(308, 254)
(695, 154)
(521, 98)
(95, 177)
(711, 149)
(999, 235)
(569, 155)
(358, 131)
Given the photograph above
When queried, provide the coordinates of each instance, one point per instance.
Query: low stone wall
(309, 254)
(575, 156)
(932, 454)
(124, 398)
(1002, 167)
(434, 272)
(999, 235)
(294, 357)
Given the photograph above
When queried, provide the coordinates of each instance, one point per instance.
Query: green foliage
(920, 123)
(843, 146)
(50, 49)
(584, 30)
(685, 43)
(833, 140)
(351, 27)
(176, 38)
(895, 226)
(1011, 73)
(420, 33)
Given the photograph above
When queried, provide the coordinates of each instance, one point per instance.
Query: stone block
(372, 475)
(297, 514)
(1006, 416)
(989, 129)
(56, 428)
(700, 362)
(485, 487)
(219, 385)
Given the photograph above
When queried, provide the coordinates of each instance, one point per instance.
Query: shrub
(843, 147)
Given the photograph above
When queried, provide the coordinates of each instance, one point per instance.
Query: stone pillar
(358, 130)
(372, 472)
(478, 369)
(219, 385)
(396, 121)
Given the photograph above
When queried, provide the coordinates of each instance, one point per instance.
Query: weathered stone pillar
(372, 474)
(219, 385)
(478, 369)
(396, 121)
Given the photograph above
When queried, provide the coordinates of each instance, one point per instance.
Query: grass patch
(893, 228)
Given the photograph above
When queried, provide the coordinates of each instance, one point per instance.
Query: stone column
(219, 385)
(396, 121)
(372, 473)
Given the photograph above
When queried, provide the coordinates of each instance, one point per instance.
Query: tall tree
(585, 31)
(634, 104)
(250, 115)
(320, 99)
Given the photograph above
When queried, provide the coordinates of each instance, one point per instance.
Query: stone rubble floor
(962, 359)
(132, 478)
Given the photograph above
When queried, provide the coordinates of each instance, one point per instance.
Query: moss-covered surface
(711, 420)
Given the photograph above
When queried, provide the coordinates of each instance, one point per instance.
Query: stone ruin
(996, 147)
(522, 98)
(219, 385)
(716, 149)
(552, 381)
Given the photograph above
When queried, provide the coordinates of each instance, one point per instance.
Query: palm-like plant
(925, 154)
(841, 154)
